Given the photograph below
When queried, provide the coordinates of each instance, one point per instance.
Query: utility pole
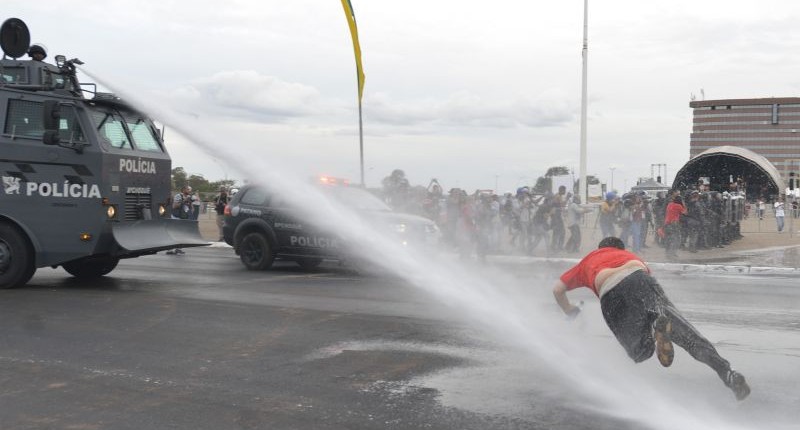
(585, 54)
(612, 178)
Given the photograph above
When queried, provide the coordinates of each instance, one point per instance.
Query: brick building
(768, 127)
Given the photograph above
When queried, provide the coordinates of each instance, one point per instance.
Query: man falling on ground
(638, 312)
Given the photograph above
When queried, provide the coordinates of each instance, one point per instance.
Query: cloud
(250, 94)
(466, 109)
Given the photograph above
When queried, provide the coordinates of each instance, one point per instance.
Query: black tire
(17, 262)
(256, 252)
(309, 262)
(90, 268)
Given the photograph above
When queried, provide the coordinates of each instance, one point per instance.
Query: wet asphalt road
(197, 342)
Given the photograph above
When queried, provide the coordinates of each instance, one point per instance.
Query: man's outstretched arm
(560, 293)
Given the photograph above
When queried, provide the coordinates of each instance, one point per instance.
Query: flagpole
(351, 22)
(585, 52)
(361, 143)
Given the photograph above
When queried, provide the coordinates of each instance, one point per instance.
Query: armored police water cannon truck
(86, 179)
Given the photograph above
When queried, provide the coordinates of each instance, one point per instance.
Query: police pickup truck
(263, 225)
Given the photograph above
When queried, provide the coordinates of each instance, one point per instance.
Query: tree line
(198, 183)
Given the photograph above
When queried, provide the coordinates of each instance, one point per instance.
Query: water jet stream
(530, 324)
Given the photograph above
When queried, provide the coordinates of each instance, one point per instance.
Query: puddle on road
(498, 382)
(775, 257)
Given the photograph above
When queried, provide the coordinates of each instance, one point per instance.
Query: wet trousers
(557, 225)
(607, 227)
(672, 237)
(631, 308)
(574, 242)
(220, 222)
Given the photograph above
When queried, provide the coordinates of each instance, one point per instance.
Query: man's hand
(574, 311)
(560, 294)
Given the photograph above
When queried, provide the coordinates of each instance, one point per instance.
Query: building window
(775, 113)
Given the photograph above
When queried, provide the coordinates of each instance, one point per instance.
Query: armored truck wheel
(16, 257)
(90, 268)
(256, 252)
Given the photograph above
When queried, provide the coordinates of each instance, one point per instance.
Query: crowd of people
(483, 222)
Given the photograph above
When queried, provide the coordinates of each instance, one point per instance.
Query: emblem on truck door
(11, 184)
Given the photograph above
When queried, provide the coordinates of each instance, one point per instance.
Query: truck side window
(24, 119)
(14, 75)
(254, 196)
(109, 126)
(278, 201)
(70, 128)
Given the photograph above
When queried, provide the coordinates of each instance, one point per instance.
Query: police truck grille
(132, 204)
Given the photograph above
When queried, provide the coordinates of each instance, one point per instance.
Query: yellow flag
(351, 21)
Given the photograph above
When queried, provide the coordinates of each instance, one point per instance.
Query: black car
(263, 225)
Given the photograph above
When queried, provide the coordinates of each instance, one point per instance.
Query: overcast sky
(470, 92)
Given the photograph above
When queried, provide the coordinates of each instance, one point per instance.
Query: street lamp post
(584, 101)
(612, 177)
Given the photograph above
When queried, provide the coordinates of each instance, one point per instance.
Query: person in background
(638, 312)
(465, 228)
(672, 225)
(574, 217)
(524, 220)
(693, 221)
(196, 202)
(608, 214)
(647, 207)
(779, 213)
(540, 225)
(483, 225)
(181, 209)
(659, 212)
(559, 203)
(637, 220)
(37, 52)
(220, 201)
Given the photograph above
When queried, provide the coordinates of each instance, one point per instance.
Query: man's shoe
(171, 252)
(180, 251)
(735, 381)
(663, 335)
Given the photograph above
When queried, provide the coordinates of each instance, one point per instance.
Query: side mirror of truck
(51, 120)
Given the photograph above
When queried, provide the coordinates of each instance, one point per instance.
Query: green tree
(227, 183)
(198, 183)
(179, 177)
(557, 171)
(544, 183)
(207, 189)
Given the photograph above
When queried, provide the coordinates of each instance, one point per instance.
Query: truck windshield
(357, 198)
(112, 126)
(143, 133)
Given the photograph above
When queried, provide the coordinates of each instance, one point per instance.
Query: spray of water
(527, 324)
